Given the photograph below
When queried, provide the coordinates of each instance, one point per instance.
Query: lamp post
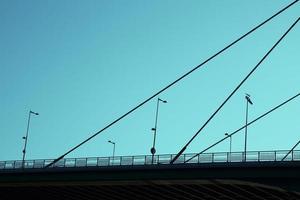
(153, 150)
(229, 135)
(248, 100)
(113, 158)
(25, 138)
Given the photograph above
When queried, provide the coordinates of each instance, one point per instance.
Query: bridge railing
(220, 157)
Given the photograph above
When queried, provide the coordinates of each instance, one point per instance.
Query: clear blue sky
(82, 64)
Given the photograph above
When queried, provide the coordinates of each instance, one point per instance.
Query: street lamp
(26, 137)
(248, 100)
(153, 150)
(113, 158)
(229, 135)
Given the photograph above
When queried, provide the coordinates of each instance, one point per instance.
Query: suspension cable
(231, 94)
(290, 150)
(238, 130)
(173, 83)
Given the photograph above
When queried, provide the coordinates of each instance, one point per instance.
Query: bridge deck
(220, 157)
(261, 180)
(230, 179)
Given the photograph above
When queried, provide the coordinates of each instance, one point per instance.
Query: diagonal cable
(290, 151)
(174, 82)
(238, 130)
(232, 93)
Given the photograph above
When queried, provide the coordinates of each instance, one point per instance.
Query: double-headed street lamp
(113, 158)
(153, 150)
(248, 100)
(26, 137)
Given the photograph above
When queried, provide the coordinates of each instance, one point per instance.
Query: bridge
(222, 175)
(203, 176)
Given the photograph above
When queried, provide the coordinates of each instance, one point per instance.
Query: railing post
(227, 159)
(292, 155)
(275, 156)
(213, 157)
(132, 162)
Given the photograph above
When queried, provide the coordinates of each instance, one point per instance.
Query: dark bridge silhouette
(228, 176)
(207, 176)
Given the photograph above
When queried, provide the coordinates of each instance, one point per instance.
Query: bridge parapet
(219, 157)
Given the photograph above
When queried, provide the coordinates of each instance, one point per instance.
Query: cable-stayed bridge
(222, 175)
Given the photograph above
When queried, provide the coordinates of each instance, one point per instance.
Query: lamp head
(164, 101)
(248, 98)
(34, 113)
(111, 142)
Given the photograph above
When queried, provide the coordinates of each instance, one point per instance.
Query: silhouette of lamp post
(230, 143)
(113, 158)
(153, 150)
(228, 135)
(25, 138)
(248, 100)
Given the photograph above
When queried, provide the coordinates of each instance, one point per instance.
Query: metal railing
(220, 157)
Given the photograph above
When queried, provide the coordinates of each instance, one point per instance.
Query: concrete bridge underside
(280, 180)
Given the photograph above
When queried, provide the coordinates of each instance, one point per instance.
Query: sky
(83, 63)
